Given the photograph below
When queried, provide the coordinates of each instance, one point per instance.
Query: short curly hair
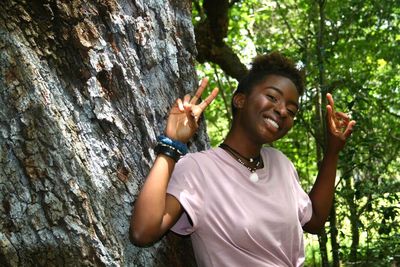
(264, 65)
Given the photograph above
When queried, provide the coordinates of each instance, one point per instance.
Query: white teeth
(273, 123)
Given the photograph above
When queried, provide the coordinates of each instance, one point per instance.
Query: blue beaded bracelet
(181, 147)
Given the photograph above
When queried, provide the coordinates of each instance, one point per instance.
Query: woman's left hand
(339, 127)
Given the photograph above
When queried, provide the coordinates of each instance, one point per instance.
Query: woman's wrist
(332, 155)
(178, 145)
(171, 148)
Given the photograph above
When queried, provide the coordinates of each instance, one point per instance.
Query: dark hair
(264, 65)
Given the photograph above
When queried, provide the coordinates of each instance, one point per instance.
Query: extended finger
(186, 99)
(209, 99)
(180, 104)
(330, 100)
(199, 91)
(349, 129)
(331, 119)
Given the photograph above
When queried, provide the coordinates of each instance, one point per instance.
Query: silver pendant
(254, 177)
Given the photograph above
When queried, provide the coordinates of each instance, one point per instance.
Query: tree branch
(228, 112)
(210, 43)
(285, 21)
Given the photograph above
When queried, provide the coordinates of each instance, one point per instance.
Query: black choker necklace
(256, 161)
(227, 147)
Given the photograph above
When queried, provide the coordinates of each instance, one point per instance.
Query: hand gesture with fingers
(339, 126)
(184, 115)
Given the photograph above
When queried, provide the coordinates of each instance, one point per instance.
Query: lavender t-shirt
(235, 221)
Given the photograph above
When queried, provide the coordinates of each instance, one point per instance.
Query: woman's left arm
(339, 128)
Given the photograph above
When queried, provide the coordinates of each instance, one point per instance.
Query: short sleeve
(304, 203)
(305, 208)
(187, 187)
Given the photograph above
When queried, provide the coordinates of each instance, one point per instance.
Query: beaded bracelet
(181, 147)
(168, 151)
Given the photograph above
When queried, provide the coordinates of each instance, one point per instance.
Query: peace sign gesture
(183, 117)
(339, 126)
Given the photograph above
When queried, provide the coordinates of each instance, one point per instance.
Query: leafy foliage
(358, 42)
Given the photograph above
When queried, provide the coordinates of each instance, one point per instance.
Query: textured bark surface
(85, 87)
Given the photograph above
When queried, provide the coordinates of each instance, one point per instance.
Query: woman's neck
(242, 144)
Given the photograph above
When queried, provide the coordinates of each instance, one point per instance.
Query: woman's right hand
(184, 115)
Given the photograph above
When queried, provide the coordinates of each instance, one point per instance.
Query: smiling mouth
(272, 122)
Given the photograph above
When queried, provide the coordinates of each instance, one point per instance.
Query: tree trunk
(334, 234)
(85, 87)
(354, 220)
(323, 239)
(319, 118)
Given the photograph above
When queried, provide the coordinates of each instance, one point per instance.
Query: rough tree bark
(84, 89)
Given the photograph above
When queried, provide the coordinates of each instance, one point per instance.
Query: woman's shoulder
(198, 161)
(199, 155)
(208, 154)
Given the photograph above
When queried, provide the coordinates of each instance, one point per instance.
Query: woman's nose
(280, 108)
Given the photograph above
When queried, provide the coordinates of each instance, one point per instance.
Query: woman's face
(268, 112)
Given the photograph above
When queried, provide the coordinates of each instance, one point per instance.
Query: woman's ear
(239, 100)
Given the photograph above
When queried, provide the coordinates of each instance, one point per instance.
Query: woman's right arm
(155, 211)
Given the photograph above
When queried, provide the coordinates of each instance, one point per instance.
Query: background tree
(84, 87)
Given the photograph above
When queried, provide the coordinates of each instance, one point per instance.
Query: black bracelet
(181, 147)
(172, 147)
(167, 151)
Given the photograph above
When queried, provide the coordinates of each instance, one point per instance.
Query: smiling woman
(241, 202)
(267, 111)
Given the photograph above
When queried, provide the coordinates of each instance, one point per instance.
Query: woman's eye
(292, 113)
(273, 98)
